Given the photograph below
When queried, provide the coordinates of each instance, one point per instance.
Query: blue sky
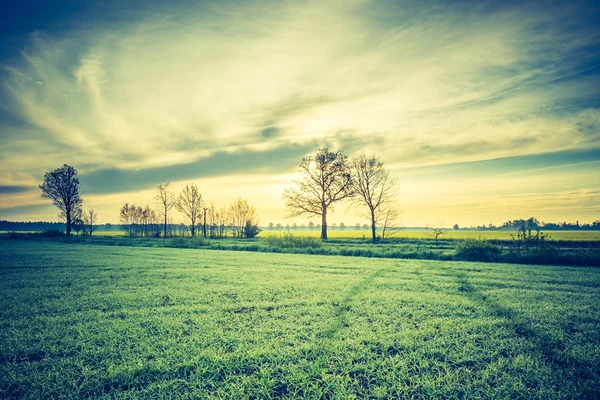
(483, 111)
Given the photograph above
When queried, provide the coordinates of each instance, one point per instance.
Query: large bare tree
(374, 188)
(326, 180)
(167, 199)
(190, 203)
(62, 187)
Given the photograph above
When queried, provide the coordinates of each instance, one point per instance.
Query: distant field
(413, 234)
(450, 234)
(80, 321)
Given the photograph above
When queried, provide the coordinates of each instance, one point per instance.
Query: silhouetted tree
(167, 199)
(326, 180)
(62, 187)
(190, 204)
(90, 220)
(374, 186)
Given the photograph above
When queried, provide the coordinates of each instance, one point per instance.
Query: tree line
(239, 219)
(328, 178)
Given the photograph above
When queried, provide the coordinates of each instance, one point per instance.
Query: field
(449, 234)
(413, 234)
(100, 321)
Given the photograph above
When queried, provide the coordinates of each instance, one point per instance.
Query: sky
(483, 111)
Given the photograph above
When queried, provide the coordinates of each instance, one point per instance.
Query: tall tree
(326, 180)
(190, 203)
(62, 187)
(167, 199)
(90, 221)
(374, 188)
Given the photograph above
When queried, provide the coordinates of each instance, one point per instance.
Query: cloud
(11, 189)
(245, 162)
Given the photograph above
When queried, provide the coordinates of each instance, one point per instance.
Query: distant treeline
(534, 224)
(40, 226)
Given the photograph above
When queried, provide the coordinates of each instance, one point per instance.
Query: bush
(51, 233)
(289, 241)
(477, 250)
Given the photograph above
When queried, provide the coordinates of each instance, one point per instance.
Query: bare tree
(435, 231)
(125, 217)
(167, 199)
(374, 187)
(190, 203)
(388, 219)
(90, 221)
(241, 214)
(217, 221)
(326, 180)
(62, 187)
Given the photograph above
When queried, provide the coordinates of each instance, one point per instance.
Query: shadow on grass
(342, 307)
(580, 373)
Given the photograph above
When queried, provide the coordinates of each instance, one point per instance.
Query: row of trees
(533, 224)
(329, 178)
(239, 218)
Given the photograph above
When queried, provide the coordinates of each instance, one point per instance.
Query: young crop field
(448, 234)
(80, 320)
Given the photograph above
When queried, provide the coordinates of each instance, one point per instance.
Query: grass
(570, 252)
(99, 321)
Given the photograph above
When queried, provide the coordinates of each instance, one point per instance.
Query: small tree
(388, 218)
(326, 180)
(190, 204)
(240, 212)
(90, 220)
(62, 187)
(251, 229)
(167, 199)
(78, 226)
(435, 231)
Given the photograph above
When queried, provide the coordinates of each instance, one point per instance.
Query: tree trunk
(165, 235)
(68, 223)
(373, 233)
(324, 224)
(193, 230)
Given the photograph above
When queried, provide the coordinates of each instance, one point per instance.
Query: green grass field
(100, 321)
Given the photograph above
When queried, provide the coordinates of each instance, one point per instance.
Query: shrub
(289, 241)
(477, 250)
(251, 229)
(51, 233)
